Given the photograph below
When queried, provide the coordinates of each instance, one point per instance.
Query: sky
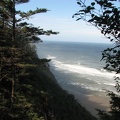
(59, 19)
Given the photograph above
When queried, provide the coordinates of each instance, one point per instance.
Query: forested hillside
(28, 90)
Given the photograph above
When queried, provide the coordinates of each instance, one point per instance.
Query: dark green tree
(17, 54)
(105, 15)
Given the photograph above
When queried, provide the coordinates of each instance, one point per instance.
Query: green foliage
(105, 15)
(28, 90)
(17, 54)
(48, 99)
(24, 15)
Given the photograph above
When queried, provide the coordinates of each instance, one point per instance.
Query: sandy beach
(93, 102)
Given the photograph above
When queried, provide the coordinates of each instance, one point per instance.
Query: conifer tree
(16, 37)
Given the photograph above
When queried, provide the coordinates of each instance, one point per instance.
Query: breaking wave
(97, 80)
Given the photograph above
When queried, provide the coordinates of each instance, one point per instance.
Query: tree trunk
(13, 53)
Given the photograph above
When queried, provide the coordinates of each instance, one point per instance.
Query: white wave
(94, 88)
(86, 86)
(101, 79)
(82, 69)
(76, 84)
(50, 57)
(103, 70)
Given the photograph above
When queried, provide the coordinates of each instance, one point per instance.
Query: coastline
(67, 101)
(93, 102)
(89, 101)
(82, 96)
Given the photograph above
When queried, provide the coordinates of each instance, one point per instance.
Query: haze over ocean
(77, 66)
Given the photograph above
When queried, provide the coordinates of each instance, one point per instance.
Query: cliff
(54, 102)
(38, 96)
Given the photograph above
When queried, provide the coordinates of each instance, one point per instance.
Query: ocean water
(78, 67)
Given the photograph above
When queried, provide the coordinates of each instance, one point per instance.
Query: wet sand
(88, 99)
(93, 102)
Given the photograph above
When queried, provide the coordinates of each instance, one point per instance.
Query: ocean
(78, 67)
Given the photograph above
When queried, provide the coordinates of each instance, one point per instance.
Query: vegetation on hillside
(28, 91)
(105, 15)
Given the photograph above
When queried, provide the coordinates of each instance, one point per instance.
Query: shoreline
(92, 102)
(88, 99)
(68, 98)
